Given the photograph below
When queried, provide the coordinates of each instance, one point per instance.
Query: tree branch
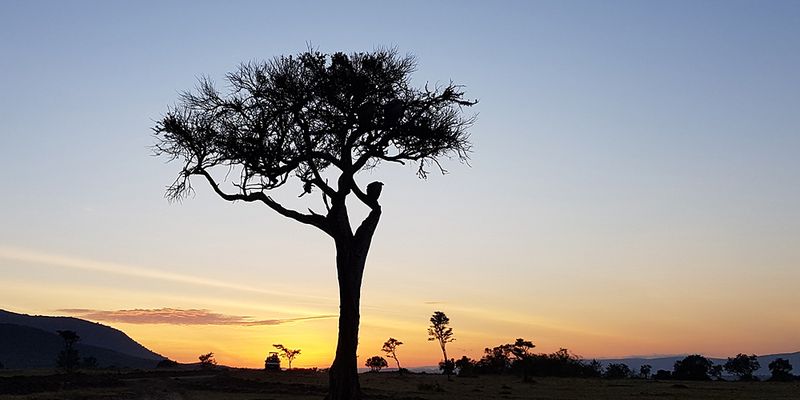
(314, 220)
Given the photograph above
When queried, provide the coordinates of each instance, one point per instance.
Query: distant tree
(207, 361)
(521, 348)
(466, 367)
(743, 366)
(559, 363)
(716, 371)
(441, 332)
(68, 359)
(662, 375)
(692, 368)
(448, 367)
(523, 359)
(644, 370)
(272, 362)
(390, 348)
(1, 365)
(323, 119)
(592, 369)
(167, 363)
(288, 354)
(617, 371)
(495, 360)
(376, 363)
(781, 370)
(89, 362)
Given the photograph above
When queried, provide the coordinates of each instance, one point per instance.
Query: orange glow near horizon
(240, 326)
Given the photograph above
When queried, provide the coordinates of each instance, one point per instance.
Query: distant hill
(91, 333)
(24, 347)
(667, 363)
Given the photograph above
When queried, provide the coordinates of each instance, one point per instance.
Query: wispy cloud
(177, 316)
(137, 271)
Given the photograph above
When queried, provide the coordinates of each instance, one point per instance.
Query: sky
(633, 190)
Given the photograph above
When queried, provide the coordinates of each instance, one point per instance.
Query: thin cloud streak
(28, 256)
(177, 316)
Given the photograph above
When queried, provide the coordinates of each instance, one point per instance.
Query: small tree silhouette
(644, 370)
(693, 368)
(521, 350)
(715, 371)
(781, 370)
(617, 371)
(288, 354)
(390, 348)
(376, 363)
(743, 366)
(466, 367)
(207, 361)
(440, 332)
(68, 359)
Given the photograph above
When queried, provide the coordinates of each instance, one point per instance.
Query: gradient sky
(634, 187)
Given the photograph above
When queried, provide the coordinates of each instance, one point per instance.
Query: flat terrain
(297, 385)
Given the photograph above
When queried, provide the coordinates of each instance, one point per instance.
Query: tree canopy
(693, 367)
(298, 116)
(742, 366)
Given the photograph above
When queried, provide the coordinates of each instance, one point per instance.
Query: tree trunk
(350, 261)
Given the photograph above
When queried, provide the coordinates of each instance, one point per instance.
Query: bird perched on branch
(374, 190)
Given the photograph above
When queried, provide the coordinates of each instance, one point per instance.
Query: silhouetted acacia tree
(207, 361)
(466, 367)
(495, 360)
(68, 359)
(390, 348)
(781, 370)
(288, 354)
(692, 368)
(441, 332)
(715, 371)
(644, 370)
(743, 366)
(592, 369)
(617, 371)
(523, 359)
(663, 375)
(376, 363)
(316, 116)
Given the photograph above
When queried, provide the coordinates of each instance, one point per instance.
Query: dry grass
(260, 385)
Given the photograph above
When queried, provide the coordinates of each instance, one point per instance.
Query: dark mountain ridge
(91, 333)
(24, 347)
(32, 341)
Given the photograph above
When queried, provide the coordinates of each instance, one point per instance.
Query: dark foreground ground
(297, 385)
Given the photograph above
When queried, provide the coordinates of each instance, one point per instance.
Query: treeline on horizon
(519, 359)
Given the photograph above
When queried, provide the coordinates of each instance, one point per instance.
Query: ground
(299, 385)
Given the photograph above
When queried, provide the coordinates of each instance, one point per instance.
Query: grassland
(299, 385)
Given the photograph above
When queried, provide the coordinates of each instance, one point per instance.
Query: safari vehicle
(273, 362)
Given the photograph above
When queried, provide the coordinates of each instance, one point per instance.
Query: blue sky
(635, 155)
